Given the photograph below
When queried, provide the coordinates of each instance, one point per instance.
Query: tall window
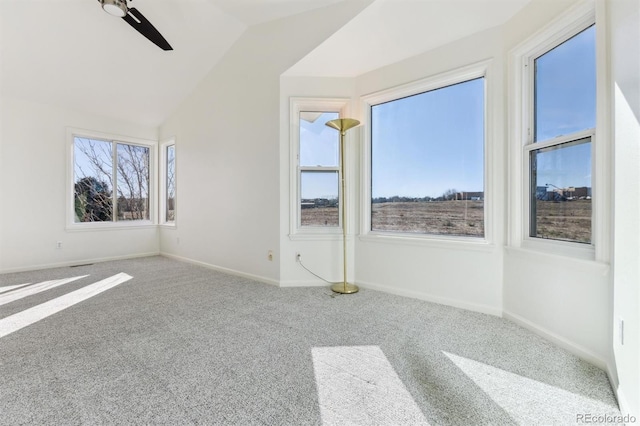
(562, 132)
(168, 178)
(111, 181)
(427, 161)
(319, 168)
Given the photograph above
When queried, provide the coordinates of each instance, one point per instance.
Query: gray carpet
(181, 344)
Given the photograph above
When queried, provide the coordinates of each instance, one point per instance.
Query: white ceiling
(389, 31)
(253, 12)
(70, 53)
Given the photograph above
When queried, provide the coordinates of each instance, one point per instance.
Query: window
(319, 169)
(427, 158)
(111, 181)
(316, 159)
(559, 152)
(168, 179)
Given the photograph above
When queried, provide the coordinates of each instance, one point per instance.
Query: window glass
(319, 198)
(427, 162)
(565, 87)
(319, 144)
(133, 182)
(560, 205)
(110, 176)
(561, 191)
(319, 168)
(170, 202)
(92, 171)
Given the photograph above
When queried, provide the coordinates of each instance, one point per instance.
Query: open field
(320, 216)
(464, 217)
(438, 217)
(565, 220)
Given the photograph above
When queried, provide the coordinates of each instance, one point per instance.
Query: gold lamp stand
(342, 125)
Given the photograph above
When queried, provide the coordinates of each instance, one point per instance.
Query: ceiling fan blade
(144, 27)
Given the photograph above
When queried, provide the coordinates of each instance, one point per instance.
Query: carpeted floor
(181, 344)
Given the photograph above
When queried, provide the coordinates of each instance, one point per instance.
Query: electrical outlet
(298, 257)
(59, 245)
(270, 255)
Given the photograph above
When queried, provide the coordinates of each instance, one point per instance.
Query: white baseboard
(574, 348)
(223, 269)
(432, 298)
(77, 262)
(624, 405)
(303, 283)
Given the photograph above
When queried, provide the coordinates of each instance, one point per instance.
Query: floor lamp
(342, 125)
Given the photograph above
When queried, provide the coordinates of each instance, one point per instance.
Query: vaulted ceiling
(70, 53)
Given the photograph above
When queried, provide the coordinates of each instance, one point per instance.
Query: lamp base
(343, 288)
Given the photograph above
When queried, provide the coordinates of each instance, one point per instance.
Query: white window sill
(110, 226)
(432, 241)
(597, 267)
(318, 234)
(560, 248)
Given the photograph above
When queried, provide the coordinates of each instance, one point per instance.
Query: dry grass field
(463, 218)
(566, 220)
(439, 217)
(320, 216)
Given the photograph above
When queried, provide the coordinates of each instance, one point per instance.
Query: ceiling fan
(136, 19)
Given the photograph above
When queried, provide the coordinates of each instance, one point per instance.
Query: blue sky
(426, 144)
(566, 103)
(319, 146)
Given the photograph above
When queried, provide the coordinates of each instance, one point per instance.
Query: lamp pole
(342, 125)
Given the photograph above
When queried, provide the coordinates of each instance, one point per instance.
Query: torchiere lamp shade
(342, 124)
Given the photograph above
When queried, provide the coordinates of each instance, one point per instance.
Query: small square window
(319, 198)
(561, 192)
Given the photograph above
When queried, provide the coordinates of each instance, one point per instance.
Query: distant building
(475, 196)
(546, 193)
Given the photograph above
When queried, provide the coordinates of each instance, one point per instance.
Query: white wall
(625, 71)
(565, 299)
(33, 182)
(440, 271)
(321, 255)
(461, 274)
(227, 148)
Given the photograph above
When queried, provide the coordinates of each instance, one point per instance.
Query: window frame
(459, 75)
(522, 111)
(71, 224)
(296, 106)
(162, 209)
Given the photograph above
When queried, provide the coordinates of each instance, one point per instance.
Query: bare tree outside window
(133, 182)
(171, 184)
(108, 175)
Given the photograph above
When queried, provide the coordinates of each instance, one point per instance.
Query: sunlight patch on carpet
(29, 316)
(529, 401)
(9, 297)
(4, 289)
(358, 386)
